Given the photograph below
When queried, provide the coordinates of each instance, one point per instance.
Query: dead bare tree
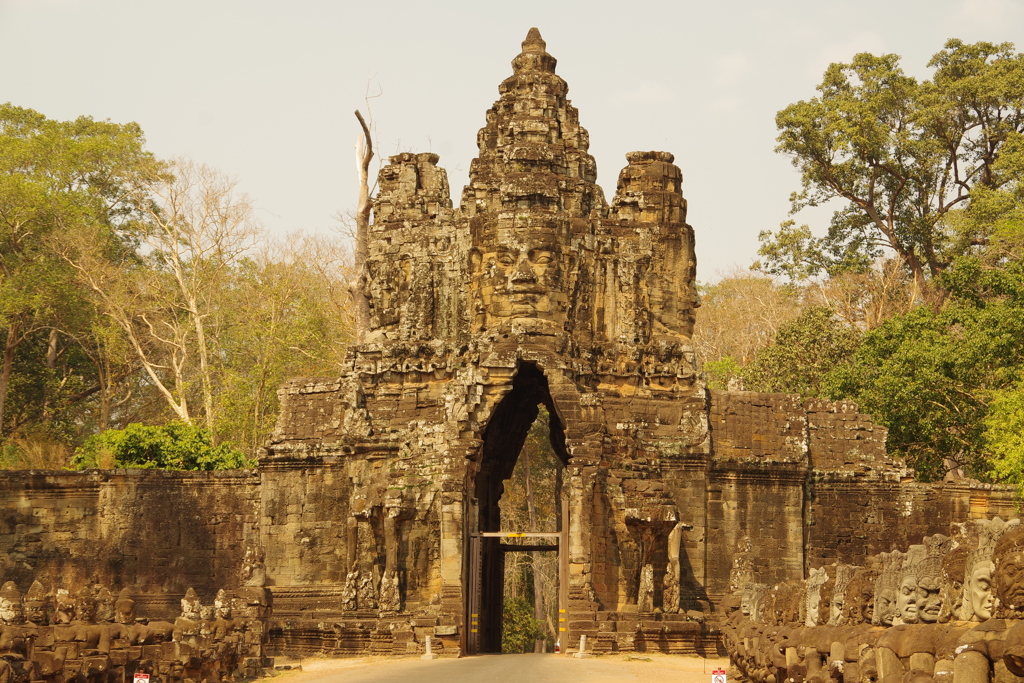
(360, 299)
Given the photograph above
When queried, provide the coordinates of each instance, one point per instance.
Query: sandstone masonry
(372, 500)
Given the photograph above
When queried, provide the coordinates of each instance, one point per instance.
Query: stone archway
(503, 439)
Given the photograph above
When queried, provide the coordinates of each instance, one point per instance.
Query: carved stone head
(64, 606)
(222, 604)
(816, 578)
(190, 605)
(124, 608)
(1008, 573)
(104, 605)
(37, 603)
(930, 594)
(859, 600)
(11, 610)
(745, 599)
(887, 587)
(978, 599)
(519, 275)
(978, 589)
(85, 605)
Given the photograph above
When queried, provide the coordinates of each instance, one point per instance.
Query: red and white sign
(718, 676)
(141, 678)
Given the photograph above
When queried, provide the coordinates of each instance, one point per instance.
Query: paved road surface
(530, 668)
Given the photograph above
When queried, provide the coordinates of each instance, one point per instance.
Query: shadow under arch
(503, 439)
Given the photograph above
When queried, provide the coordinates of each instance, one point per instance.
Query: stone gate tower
(535, 292)
(377, 486)
(368, 517)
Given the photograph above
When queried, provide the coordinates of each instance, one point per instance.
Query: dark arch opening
(504, 436)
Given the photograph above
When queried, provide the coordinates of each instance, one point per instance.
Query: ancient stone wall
(92, 635)
(369, 516)
(851, 517)
(156, 531)
(948, 609)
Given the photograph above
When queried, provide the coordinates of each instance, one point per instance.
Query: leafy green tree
(804, 352)
(899, 155)
(721, 370)
(1004, 435)
(991, 228)
(173, 446)
(519, 629)
(928, 377)
(57, 177)
(284, 313)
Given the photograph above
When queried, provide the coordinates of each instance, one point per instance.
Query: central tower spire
(533, 151)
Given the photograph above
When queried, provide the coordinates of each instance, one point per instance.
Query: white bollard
(582, 653)
(429, 654)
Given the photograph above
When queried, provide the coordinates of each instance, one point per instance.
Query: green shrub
(172, 446)
(519, 629)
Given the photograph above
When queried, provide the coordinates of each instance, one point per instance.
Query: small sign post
(718, 676)
(141, 678)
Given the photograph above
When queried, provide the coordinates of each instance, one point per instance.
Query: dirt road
(639, 668)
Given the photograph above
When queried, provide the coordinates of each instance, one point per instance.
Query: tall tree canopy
(899, 155)
(921, 271)
(139, 291)
(55, 178)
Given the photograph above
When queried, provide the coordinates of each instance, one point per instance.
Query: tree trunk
(204, 369)
(357, 288)
(538, 585)
(51, 364)
(8, 365)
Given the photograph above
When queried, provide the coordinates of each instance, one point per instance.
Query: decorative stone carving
(887, 588)
(11, 609)
(645, 594)
(815, 580)
(978, 600)
(37, 604)
(124, 608)
(104, 602)
(859, 599)
(844, 574)
(64, 612)
(91, 651)
(1008, 571)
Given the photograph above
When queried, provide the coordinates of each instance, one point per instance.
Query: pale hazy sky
(265, 90)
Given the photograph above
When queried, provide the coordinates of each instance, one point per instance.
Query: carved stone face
(10, 610)
(85, 606)
(222, 605)
(65, 607)
(867, 607)
(906, 600)
(980, 590)
(190, 607)
(859, 607)
(124, 612)
(1010, 582)
(35, 612)
(104, 611)
(886, 606)
(745, 603)
(929, 599)
(836, 607)
(519, 277)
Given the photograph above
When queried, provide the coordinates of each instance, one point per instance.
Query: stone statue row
(950, 609)
(91, 636)
(942, 579)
